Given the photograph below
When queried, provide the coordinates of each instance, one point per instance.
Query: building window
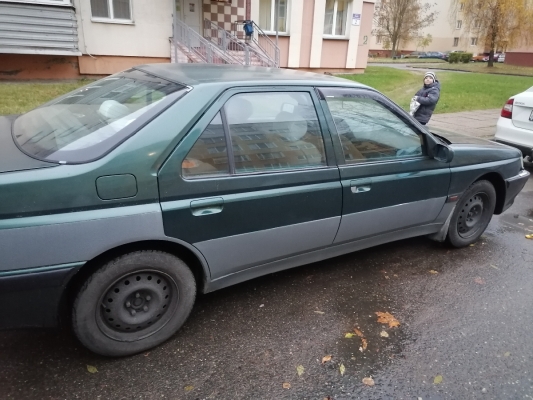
(473, 41)
(461, 6)
(455, 41)
(267, 15)
(477, 23)
(49, 2)
(379, 39)
(459, 24)
(111, 9)
(336, 17)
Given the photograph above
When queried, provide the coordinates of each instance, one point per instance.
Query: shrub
(466, 57)
(454, 58)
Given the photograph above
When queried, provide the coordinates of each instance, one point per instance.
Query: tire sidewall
(486, 187)
(87, 303)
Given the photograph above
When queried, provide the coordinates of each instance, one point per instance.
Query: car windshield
(87, 123)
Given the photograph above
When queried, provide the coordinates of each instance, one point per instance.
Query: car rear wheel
(472, 214)
(133, 303)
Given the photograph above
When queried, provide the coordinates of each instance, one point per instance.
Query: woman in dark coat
(428, 98)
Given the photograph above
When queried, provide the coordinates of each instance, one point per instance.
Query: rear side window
(87, 123)
(268, 132)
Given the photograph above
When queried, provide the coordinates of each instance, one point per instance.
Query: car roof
(231, 75)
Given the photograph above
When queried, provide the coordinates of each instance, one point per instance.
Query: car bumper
(514, 186)
(33, 299)
(510, 135)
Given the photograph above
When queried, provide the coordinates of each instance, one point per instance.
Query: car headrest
(112, 109)
(292, 125)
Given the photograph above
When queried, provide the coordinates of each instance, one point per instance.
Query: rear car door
(523, 117)
(254, 181)
(389, 183)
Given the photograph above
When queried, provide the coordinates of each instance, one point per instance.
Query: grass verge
(17, 98)
(459, 92)
(498, 68)
(406, 61)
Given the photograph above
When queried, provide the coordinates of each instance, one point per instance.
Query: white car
(515, 125)
(501, 58)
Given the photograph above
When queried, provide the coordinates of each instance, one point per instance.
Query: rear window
(87, 123)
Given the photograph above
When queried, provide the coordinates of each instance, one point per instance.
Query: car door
(254, 181)
(389, 182)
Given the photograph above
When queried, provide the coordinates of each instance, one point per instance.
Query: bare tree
(402, 20)
(497, 24)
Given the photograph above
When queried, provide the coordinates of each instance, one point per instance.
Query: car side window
(274, 131)
(208, 156)
(369, 131)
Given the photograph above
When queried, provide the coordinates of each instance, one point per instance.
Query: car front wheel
(472, 214)
(133, 303)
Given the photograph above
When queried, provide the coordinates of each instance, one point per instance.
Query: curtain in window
(328, 20)
(99, 8)
(265, 9)
(340, 21)
(121, 9)
(282, 18)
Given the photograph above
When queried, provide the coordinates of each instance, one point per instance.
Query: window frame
(388, 105)
(272, 31)
(455, 42)
(332, 35)
(112, 19)
(329, 148)
(459, 24)
(62, 3)
(473, 41)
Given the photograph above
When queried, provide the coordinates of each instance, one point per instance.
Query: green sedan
(121, 201)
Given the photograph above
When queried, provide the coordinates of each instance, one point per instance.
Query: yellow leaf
(286, 385)
(432, 271)
(384, 334)
(507, 354)
(365, 343)
(437, 380)
(92, 369)
(529, 236)
(358, 332)
(349, 335)
(188, 388)
(472, 245)
(300, 369)
(320, 312)
(368, 381)
(342, 369)
(325, 359)
(387, 318)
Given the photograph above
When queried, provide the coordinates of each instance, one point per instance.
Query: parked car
(501, 58)
(122, 200)
(415, 54)
(433, 54)
(515, 125)
(480, 58)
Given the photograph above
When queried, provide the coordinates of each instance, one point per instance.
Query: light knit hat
(431, 75)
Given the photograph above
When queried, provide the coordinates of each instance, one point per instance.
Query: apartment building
(71, 38)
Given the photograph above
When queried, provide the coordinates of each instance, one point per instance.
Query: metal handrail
(237, 49)
(260, 39)
(204, 50)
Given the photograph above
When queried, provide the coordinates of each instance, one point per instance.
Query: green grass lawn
(459, 92)
(16, 98)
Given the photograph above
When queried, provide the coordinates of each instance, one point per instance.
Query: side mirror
(442, 153)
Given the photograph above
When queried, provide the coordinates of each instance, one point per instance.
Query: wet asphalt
(465, 332)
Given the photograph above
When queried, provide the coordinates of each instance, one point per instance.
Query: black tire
(472, 214)
(133, 303)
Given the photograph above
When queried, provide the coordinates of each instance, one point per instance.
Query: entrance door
(192, 14)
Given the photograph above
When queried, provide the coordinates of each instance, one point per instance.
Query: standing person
(428, 97)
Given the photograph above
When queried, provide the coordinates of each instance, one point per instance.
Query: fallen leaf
(384, 334)
(387, 318)
(286, 385)
(342, 369)
(396, 276)
(507, 354)
(494, 266)
(472, 245)
(188, 388)
(300, 369)
(325, 359)
(361, 349)
(365, 343)
(432, 271)
(358, 332)
(479, 281)
(320, 312)
(529, 236)
(92, 369)
(368, 381)
(437, 380)
(349, 335)
(387, 277)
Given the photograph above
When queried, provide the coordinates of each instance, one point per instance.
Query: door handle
(360, 185)
(207, 206)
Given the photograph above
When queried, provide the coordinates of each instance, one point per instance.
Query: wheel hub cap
(470, 216)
